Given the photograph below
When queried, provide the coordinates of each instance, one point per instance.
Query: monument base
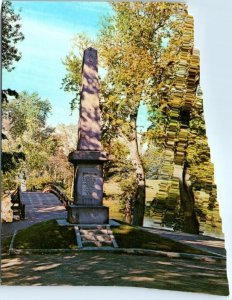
(80, 214)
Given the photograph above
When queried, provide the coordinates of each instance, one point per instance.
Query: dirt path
(109, 269)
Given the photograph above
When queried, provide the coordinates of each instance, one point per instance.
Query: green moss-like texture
(46, 235)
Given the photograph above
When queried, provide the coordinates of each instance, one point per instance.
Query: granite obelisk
(89, 157)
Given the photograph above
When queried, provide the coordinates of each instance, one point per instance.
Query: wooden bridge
(39, 206)
(42, 206)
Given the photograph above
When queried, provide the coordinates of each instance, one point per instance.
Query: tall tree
(11, 35)
(132, 47)
(26, 132)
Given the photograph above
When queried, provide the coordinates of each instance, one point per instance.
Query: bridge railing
(52, 188)
(18, 207)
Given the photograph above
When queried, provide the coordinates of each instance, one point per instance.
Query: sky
(49, 28)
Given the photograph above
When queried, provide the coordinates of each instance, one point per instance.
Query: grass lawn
(46, 235)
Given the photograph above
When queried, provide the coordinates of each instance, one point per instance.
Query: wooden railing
(52, 188)
(18, 207)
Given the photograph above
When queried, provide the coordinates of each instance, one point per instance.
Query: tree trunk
(128, 212)
(191, 224)
(139, 201)
(137, 205)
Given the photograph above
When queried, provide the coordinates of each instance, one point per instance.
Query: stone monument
(88, 159)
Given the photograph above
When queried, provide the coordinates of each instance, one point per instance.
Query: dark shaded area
(18, 207)
(185, 117)
(10, 160)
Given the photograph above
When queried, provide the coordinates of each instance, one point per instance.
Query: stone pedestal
(78, 214)
(88, 188)
(88, 159)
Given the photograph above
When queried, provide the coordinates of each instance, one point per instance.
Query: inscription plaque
(89, 184)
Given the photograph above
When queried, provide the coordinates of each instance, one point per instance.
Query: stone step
(95, 236)
(100, 238)
(96, 244)
(93, 227)
(93, 232)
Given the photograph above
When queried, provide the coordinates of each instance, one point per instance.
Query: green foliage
(11, 162)
(9, 181)
(130, 44)
(27, 129)
(72, 80)
(44, 150)
(11, 35)
(131, 50)
(28, 115)
(178, 127)
(27, 138)
(38, 182)
(118, 165)
(5, 244)
(73, 64)
(152, 161)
